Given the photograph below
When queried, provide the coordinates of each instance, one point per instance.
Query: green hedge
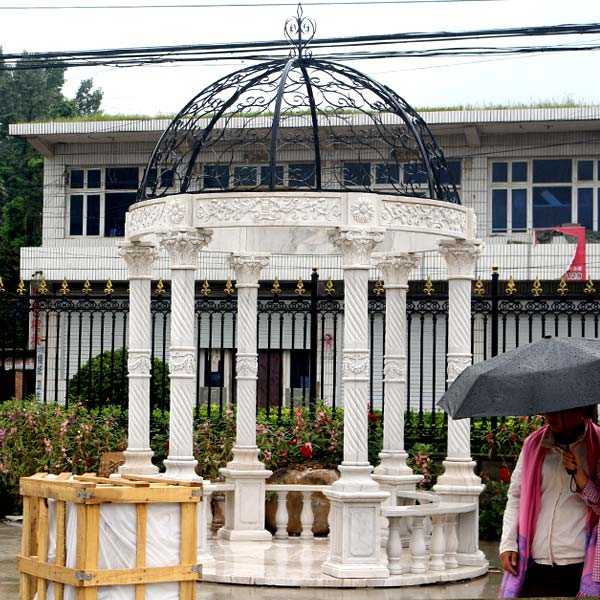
(103, 381)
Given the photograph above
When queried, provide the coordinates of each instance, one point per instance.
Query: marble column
(182, 248)
(245, 506)
(459, 482)
(356, 498)
(138, 456)
(393, 473)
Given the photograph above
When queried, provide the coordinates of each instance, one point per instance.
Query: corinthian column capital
(247, 268)
(139, 258)
(396, 268)
(461, 256)
(357, 245)
(183, 246)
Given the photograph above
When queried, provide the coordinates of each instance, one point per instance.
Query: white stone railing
(432, 528)
(306, 515)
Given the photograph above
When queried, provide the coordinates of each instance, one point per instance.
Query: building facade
(521, 170)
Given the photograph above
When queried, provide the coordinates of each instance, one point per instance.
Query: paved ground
(484, 587)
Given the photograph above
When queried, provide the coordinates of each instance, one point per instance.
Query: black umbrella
(545, 376)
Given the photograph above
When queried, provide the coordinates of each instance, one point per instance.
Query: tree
(29, 95)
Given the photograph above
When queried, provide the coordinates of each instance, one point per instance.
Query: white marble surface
(297, 563)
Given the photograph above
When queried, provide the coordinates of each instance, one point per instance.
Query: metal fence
(64, 346)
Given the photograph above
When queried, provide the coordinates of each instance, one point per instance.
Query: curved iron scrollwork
(303, 123)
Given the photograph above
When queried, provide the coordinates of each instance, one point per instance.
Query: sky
(435, 81)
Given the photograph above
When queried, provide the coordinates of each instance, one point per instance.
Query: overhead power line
(268, 49)
(237, 4)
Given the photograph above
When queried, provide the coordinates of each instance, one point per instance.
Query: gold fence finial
(21, 287)
(562, 288)
(276, 289)
(205, 291)
(160, 288)
(589, 287)
(378, 288)
(536, 288)
(2, 288)
(43, 287)
(329, 287)
(300, 290)
(87, 287)
(428, 289)
(109, 289)
(511, 287)
(479, 288)
(64, 288)
(229, 290)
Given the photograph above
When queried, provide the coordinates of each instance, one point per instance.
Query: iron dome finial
(300, 31)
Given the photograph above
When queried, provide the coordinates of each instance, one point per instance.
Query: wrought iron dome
(300, 123)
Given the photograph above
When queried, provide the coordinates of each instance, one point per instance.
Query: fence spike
(43, 287)
(160, 288)
(378, 288)
(511, 286)
(428, 289)
(87, 287)
(276, 289)
(64, 288)
(562, 288)
(300, 290)
(479, 288)
(329, 287)
(229, 290)
(108, 290)
(2, 288)
(205, 291)
(21, 287)
(536, 288)
(589, 287)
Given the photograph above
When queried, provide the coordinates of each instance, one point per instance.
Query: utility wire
(239, 4)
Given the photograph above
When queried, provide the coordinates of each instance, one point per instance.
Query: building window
(245, 176)
(541, 193)
(216, 177)
(301, 175)
(265, 176)
(98, 199)
(357, 174)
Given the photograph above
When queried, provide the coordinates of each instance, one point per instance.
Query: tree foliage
(29, 95)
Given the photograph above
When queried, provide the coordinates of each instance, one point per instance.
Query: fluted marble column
(138, 456)
(245, 506)
(356, 498)
(392, 471)
(459, 481)
(183, 248)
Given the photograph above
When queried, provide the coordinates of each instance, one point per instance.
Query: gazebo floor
(298, 563)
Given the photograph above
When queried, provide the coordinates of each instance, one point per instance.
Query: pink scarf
(529, 505)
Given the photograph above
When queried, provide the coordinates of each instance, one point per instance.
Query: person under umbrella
(549, 543)
(549, 532)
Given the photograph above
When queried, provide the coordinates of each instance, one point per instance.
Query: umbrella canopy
(545, 376)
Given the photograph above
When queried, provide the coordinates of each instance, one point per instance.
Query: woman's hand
(571, 463)
(510, 560)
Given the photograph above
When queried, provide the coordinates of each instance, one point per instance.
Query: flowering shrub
(38, 437)
(507, 437)
(422, 463)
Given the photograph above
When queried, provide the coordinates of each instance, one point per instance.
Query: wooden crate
(88, 493)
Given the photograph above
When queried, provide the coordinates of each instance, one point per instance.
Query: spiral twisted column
(458, 481)
(182, 248)
(245, 506)
(393, 469)
(356, 498)
(138, 456)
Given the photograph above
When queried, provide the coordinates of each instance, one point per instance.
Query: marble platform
(298, 563)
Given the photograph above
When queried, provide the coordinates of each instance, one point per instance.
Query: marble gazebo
(253, 166)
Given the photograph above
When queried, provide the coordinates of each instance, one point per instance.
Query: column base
(394, 464)
(245, 505)
(459, 478)
(181, 468)
(355, 536)
(138, 462)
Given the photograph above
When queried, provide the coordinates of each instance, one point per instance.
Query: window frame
(575, 184)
